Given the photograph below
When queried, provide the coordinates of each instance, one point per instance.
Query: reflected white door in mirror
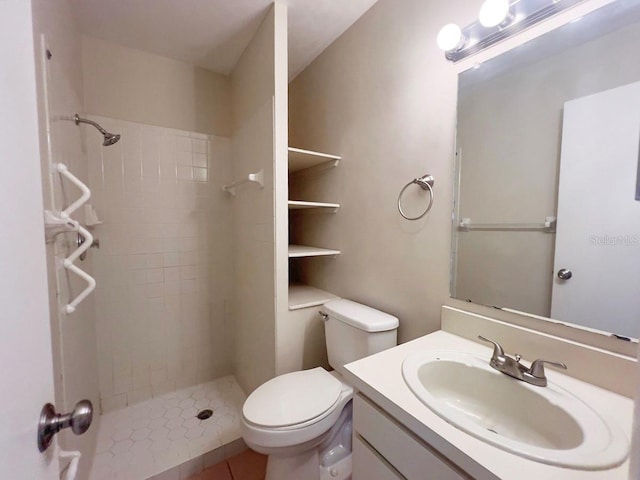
(598, 231)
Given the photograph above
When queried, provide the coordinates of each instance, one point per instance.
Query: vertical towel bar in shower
(60, 222)
(86, 193)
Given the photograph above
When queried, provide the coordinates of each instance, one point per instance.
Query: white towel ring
(426, 183)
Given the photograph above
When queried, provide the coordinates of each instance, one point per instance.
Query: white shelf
(304, 296)
(303, 162)
(300, 251)
(306, 159)
(299, 205)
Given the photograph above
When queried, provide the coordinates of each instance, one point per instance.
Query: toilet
(302, 420)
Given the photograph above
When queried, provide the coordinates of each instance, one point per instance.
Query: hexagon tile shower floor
(160, 434)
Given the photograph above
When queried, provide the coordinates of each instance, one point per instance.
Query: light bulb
(493, 12)
(450, 38)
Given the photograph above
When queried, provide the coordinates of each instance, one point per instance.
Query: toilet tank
(354, 331)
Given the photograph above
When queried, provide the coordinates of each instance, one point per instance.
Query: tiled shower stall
(163, 309)
(164, 265)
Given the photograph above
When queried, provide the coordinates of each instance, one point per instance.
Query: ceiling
(213, 33)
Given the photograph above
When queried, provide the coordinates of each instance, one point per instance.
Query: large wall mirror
(547, 211)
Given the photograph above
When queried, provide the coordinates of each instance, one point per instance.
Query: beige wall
(383, 97)
(73, 336)
(287, 338)
(264, 340)
(132, 85)
(510, 167)
(252, 149)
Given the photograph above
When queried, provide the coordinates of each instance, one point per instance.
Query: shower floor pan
(164, 435)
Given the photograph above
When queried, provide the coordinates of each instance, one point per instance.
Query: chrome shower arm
(109, 138)
(80, 120)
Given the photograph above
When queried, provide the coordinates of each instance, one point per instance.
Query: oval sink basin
(545, 424)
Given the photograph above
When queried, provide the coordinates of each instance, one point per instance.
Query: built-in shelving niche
(303, 162)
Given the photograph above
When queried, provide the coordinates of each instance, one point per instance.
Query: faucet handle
(498, 351)
(537, 367)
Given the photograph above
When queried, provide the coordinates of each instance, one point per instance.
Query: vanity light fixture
(495, 13)
(450, 38)
(498, 20)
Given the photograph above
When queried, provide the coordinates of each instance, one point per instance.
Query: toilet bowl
(302, 420)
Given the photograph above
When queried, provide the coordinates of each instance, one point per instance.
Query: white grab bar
(72, 467)
(59, 222)
(257, 177)
(68, 264)
(82, 248)
(86, 193)
(91, 285)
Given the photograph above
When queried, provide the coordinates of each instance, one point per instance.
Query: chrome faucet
(511, 366)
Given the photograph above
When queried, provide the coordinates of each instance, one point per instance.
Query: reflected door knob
(564, 274)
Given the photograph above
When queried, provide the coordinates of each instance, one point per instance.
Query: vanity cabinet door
(368, 464)
(410, 456)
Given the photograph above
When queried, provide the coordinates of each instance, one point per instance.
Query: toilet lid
(292, 398)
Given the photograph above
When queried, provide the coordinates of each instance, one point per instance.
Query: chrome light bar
(523, 14)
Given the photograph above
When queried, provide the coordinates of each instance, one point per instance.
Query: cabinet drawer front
(368, 465)
(409, 455)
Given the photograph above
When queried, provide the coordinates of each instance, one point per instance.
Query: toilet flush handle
(324, 316)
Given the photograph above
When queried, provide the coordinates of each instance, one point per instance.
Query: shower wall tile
(164, 267)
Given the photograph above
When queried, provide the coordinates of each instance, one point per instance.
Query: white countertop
(379, 377)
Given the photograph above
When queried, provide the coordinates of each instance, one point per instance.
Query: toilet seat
(327, 396)
(293, 399)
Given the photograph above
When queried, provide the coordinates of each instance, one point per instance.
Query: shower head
(109, 138)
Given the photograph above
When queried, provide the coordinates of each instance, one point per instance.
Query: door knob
(51, 422)
(564, 274)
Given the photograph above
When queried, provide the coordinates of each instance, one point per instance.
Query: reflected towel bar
(548, 226)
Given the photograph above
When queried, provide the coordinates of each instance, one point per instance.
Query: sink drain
(204, 414)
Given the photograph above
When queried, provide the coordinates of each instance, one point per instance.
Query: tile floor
(248, 465)
(157, 435)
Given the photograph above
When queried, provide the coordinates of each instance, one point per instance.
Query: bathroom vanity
(397, 436)
(383, 447)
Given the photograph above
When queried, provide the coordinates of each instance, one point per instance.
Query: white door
(25, 350)
(598, 235)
